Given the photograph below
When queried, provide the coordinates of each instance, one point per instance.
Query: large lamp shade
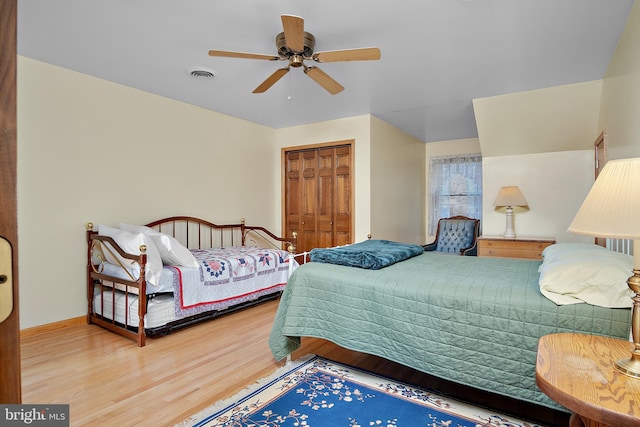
(612, 209)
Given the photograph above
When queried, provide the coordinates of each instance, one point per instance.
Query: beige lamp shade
(612, 207)
(510, 196)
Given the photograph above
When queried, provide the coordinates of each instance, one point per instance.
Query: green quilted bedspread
(471, 320)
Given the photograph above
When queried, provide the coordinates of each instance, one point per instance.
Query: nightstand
(517, 247)
(576, 370)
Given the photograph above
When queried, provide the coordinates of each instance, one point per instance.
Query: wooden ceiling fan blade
(293, 32)
(271, 80)
(324, 80)
(363, 54)
(228, 54)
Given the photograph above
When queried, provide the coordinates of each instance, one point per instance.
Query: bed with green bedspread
(475, 321)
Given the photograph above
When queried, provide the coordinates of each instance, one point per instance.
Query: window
(455, 188)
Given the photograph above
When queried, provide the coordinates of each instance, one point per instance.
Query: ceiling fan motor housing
(286, 53)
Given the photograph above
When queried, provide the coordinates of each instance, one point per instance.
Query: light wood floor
(109, 381)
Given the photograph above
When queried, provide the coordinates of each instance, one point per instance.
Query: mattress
(471, 320)
(160, 309)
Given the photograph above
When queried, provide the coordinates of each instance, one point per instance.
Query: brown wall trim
(49, 327)
(339, 143)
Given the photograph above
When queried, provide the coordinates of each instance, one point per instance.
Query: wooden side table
(517, 247)
(577, 371)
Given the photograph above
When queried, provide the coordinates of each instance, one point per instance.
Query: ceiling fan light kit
(296, 46)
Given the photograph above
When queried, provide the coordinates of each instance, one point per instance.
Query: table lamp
(510, 196)
(612, 209)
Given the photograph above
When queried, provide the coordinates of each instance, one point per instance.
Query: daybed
(471, 320)
(154, 279)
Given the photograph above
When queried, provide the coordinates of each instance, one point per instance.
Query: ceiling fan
(296, 46)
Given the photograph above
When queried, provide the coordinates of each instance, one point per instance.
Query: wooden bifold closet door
(318, 192)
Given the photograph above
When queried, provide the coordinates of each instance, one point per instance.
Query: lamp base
(630, 367)
(509, 233)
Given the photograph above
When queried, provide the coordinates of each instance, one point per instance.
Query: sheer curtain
(455, 188)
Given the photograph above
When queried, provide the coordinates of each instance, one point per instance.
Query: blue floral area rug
(320, 393)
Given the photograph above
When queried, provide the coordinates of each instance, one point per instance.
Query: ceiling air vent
(201, 73)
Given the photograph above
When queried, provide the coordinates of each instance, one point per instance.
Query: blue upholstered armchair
(458, 234)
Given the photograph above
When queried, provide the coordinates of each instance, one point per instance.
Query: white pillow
(595, 277)
(171, 251)
(559, 250)
(130, 243)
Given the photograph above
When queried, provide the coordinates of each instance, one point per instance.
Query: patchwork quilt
(228, 276)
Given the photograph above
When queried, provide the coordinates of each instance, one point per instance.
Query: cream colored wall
(81, 136)
(554, 184)
(357, 128)
(145, 156)
(541, 141)
(560, 118)
(397, 184)
(445, 148)
(387, 164)
(620, 106)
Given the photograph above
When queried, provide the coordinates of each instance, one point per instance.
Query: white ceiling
(437, 55)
